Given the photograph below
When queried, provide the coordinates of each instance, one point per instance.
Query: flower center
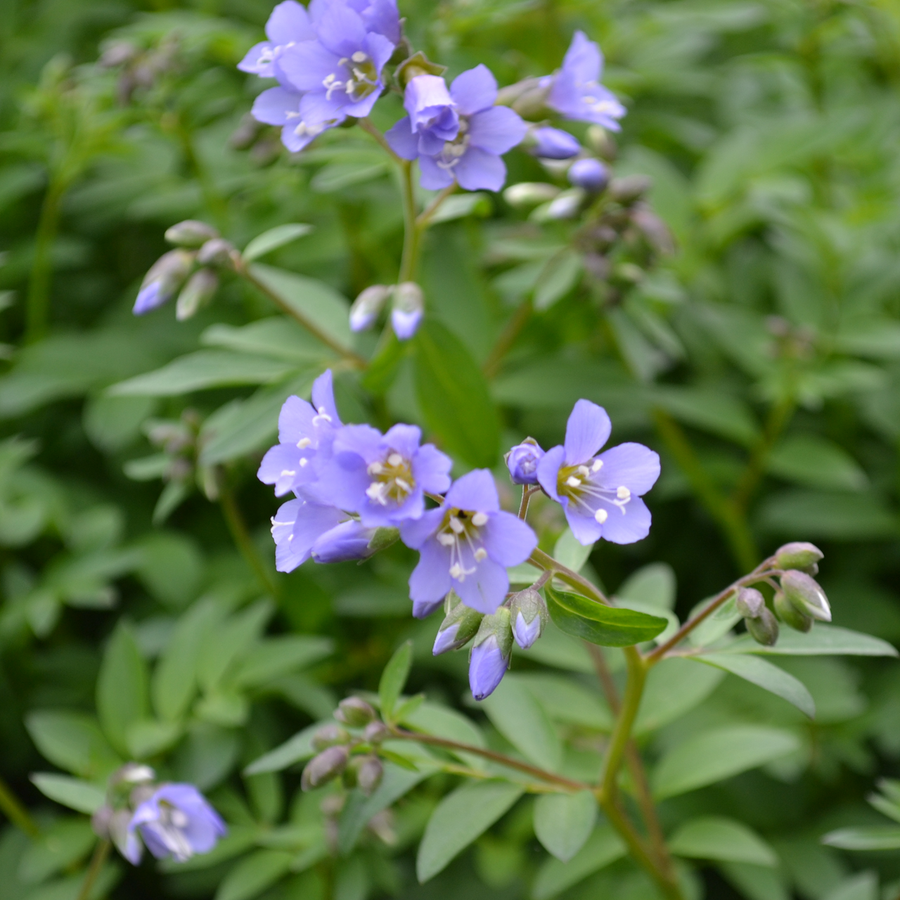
(169, 828)
(460, 532)
(581, 486)
(358, 77)
(455, 149)
(392, 480)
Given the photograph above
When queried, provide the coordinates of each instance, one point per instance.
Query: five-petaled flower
(288, 24)
(600, 494)
(432, 121)
(175, 821)
(466, 545)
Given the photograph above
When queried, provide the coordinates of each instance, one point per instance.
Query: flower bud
(551, 143)
(101, 821)
(460, 625)
(797, 555)
(750, 602)
(132, 773)
(408, 309)
(522, 461)
(162, 280)
(376, 732)
(490, 654)
(355, 712)
(369, 772)
(415, 65)
(330, 736)
(383, 538)
(629, 188)
(216, 252)
(567, 205)
(789, 614)
(322, 768)
(368, 305)
(528, 615)
(599, 141)
(764, 628)
(199, 290)
(589, 174)
(806, 595)
(190, 234)
(346, 541)
(529, 193)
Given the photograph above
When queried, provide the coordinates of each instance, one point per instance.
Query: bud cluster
(407, 308)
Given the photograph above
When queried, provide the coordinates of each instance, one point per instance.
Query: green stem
(564, 573)
(101, 851)
(507, 338)
(411, 231)
(615, 751)
(242, 539)
(38, 303)
(16, 812)
(428, 214)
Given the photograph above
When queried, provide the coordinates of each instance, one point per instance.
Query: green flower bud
(529, 193)
(376, 732)
(355, 712)
(598, 140)
(191, 234)
(217, 252)
(764, 628)
(629, 188)
(790, 615)
(199, 290)
(369, 772)
(323, 768)
(499, 625)
(797, 555)
(330, 736)
(383, 538)
(528, 616)
(460, 625)
(417, 64)
(806, 595)
(750, 602)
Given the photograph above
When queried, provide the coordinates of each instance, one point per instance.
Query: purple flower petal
(524, 633)
(553, 143)
(258, 60)
(587, 430)
(415, 532)
(431, 469)
(629, 524)
(274, 105)
(479, 170)
(323, 399)
(425, 97)
(433, 177)
(288, 22)
(430, 580)
(487, 667)
(307, 64)
(486, 588)
(496, 129)
(283, 466)
(149, 297)
(405, 322)
(402, 140)
(341, 30)
(474, 90)
(507, 539)
(631, 465)
(344, 542)
(586, 529)
(474, 491)
(583, 58)
(548, 472)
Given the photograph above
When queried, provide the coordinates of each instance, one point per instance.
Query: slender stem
(527, 493)
(16, 812)
(348, 355)
(411, 231)
(368, 126)
(760, 573)
(241, 537)
(38, 303)
(426, 216)
(507, 338)
(500, 758)
(564, 573)
(634, 689)
(101, 851)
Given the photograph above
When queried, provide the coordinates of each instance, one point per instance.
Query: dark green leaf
(822, 640)
(72, 741)
(393, 678)
(253, 874)
(273, 239)
(602, 848)
(122, 695)
(81, 796)
(563, 822)
(874, 837)
(718, 838)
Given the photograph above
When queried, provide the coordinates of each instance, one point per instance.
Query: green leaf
(294, 750)
(203, 370)
(862, 886)
(253, 874)
(718, 838)
(875, 837)
(604, 625)
(337, 176)
(147, 738)
(72, 741)
(836, 516)
(765, 675)
(279, 656)
(756, 882)
(822, 640)
(559, 275)
(460, 818)
(277, 336)
(454, 397)
(602, 848)
(516, 714)
(441, 721)
(72, 792)
(229, 642)
(273, 239)
(567, 700)
(710, 410)
(654, 585)
(64, 843)
(571, 552)
(462, 205)
(563, 822)
(316, 301)
(122, 696)
(812, 460)
(717, 754)
(393, 678)
(674, 687)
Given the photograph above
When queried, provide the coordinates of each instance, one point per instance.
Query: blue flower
(589, 174)
(491, 653)
(301, 527)
(176, 821)
(575, 90)
(522, 462)
(284, 107)
(486, 131)
(347, 541)
(466, 545)
(552, 143)
(288, 24)
(383, 478)
(600, 494)
(305, 433)
(432, 120)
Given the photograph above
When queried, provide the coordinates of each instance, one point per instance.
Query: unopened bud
(653, 228)
(629, 188)
(797, 555)
(383, 538)
(415, 65)
(528, 615)
(369, 772)
(216, 252)
(628, 272)
(346, 541)
(529, 193)
(199, 290)
(589, 174)
(567, 205)
(191, 234)
(376, 732)
(367, 306)
(764, 628)
(750, 602)
(132, 773)
(460, 625)
(330, 736)
(789, 614)
(522, 461)
(322, 768)
(355, 712)
(806, 595)
(101, 821)
(490, 654)
(163, 279)
(601, 143)
(408, 309)
(551, 143)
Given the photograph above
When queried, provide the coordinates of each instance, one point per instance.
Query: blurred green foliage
(760, 357)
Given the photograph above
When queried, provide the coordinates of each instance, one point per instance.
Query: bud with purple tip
(805, 594)
(460, 625)
(323, 768)
(529, 193)
(528, 616)
(750, 602)
(522, 461)
(163, 279)
(199, 290)
(490, 654)
(376, 732)
(190, 234)
(368, 305)
(364, 772)
(552, 143)
(330, 736)
(798, 555)
(346, 541)
(408, 309)
(589, 175)
(355, 712)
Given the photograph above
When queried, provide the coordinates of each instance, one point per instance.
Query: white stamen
(479, 519)
(446, 540)
(402, 484)
(456, 571)
(395, 459)
(456, 525)
(303, 443)
(287, 472)
(375, 468)
(623, 493)
(304, 462)
(572, 481)
(322, 416)
(583, 471)
(597, 466)
(359, 57)
(480, 554)
(376, 491)
(601, 516)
